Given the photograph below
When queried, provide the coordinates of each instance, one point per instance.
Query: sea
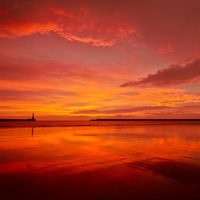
(100, 160)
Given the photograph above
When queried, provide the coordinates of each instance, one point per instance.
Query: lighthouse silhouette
(33, 118)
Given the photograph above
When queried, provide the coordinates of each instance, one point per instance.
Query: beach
(99, 160)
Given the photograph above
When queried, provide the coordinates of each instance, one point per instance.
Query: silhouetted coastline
(107, 119)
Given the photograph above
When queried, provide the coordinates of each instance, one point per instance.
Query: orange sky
(84, 59)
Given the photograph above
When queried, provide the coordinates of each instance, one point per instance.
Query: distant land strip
(144, 119)
(16, 120)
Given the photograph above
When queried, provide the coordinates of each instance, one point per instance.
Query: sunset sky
(82, 59)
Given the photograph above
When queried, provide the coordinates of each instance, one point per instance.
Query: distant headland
(110, 119)
(17, 120)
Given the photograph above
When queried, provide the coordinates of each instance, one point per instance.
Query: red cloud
(173, 75)
(82, 26)
(30, 95)
(4, 12)
(13, 68)
(168, 48)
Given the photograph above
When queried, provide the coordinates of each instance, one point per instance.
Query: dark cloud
(173, 75)
(129, 110)
(150, 111)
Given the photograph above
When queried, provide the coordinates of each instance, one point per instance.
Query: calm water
(99, 160)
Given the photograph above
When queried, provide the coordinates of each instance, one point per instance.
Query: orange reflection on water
(100, 162)
(77, 149)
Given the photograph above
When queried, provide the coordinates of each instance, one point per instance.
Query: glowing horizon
(81, 60)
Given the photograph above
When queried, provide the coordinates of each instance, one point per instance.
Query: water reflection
(116, 162)
(32, 131)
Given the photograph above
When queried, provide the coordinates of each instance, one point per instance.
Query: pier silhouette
(16, 120)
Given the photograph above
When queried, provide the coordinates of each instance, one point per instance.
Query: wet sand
(119, 182)
(140, 162)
